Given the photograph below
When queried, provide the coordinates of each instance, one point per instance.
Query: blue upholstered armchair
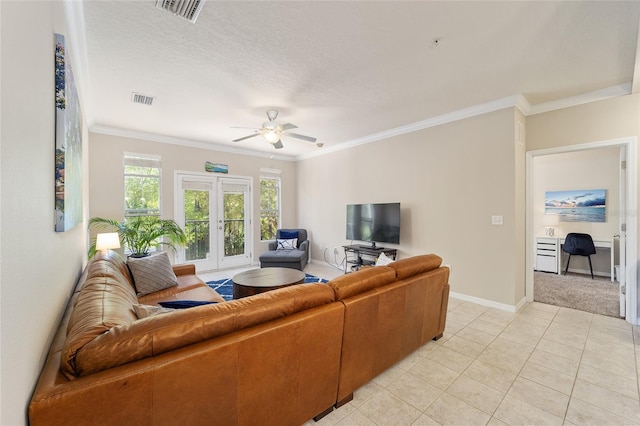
(284, 255)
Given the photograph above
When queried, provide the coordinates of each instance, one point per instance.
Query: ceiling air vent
(187, 9)
(138, 98)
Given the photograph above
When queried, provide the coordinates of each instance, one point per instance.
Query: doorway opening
(545, 172)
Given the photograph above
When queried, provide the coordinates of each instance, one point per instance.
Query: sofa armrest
(272, 245)
(305, 246)
(184, 269)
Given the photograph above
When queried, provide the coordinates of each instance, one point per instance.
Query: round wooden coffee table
(258, 281)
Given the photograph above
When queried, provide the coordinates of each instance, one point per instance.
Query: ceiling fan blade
(240, 127)
(303, 137)
(288, 126)
(278, 145)
(246, 137)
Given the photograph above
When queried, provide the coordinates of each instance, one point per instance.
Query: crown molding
(585, 98)
(522, 104)
(516, 101)
(134, 134)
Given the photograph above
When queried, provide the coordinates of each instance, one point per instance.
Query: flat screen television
(374, 223)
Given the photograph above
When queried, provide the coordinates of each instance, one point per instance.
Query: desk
(549, 253)
(599, 243)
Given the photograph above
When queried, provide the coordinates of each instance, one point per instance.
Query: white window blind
(197, 185)
(142, 160)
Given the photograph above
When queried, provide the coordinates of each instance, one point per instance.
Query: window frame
(142, 160)
(278, 210)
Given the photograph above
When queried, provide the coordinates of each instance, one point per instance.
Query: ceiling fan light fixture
(273, 130)
(271, 136)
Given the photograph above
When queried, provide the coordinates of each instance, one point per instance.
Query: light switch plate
(497, 220)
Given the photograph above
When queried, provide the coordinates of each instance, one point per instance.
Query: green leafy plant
(140, 234)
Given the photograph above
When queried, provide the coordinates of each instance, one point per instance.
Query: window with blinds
(142, 179)
(269, 206)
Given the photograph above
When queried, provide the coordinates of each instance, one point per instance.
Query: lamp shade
(551, 219)
(109, 240)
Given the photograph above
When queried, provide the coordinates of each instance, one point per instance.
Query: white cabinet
(547, 254)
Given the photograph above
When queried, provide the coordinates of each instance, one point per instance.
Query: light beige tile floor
(544, 365)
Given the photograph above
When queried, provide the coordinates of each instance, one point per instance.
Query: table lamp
(108, 240)
(550, 220)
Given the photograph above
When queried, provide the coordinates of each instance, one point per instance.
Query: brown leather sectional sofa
(277, 358)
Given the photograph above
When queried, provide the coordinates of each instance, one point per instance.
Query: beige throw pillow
(152, 273)
(143, 311)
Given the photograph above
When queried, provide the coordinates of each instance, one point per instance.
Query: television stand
(357, 256)
(373, 247)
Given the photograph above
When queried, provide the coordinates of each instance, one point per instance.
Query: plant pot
(139, 255)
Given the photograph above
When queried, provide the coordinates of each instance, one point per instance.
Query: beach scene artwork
(578, 205)
(68, 139)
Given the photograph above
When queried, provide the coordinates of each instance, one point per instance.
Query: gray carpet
(577, 291)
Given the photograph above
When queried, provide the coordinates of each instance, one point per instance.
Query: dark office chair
(581, 245)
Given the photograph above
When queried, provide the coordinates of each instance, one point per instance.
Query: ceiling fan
(273, 130)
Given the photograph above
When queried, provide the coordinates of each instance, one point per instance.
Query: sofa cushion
(108, 263)
(361, 281)
(282, 256)
(103, 302)
(152, 273)
(161, 333)
(415, 265)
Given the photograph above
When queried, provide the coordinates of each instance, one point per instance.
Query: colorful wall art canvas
(216, 167)
(577, 206)
(68, 184)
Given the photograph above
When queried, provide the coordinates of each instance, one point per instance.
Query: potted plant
(139, 234)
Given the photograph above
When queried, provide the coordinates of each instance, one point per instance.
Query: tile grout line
(577, 371)
(527, 360)
(491, 415)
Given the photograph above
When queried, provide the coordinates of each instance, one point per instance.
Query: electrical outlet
(335, 250)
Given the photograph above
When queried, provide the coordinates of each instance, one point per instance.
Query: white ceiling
(341, 71)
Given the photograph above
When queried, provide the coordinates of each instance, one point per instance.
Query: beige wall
(39, 267)
(590, 169)
(107, 182)
(593, 122)
(449, 180)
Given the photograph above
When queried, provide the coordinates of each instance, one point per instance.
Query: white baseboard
(587, 272)
(490, 303)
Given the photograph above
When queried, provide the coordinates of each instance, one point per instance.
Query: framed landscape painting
(68, 155)
(587, 205)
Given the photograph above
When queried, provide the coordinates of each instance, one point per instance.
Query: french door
(215, 213)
